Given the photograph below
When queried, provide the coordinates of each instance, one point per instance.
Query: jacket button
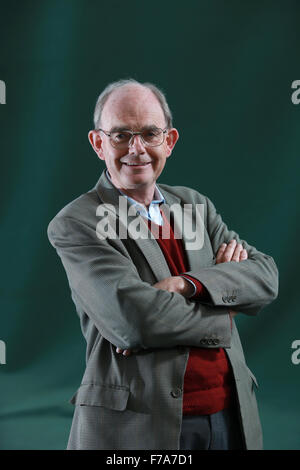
(225, 299)
(210, 341)
(216, 341)
(203, 341)
(176, 393)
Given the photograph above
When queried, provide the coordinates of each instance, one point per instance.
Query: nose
(136, 144)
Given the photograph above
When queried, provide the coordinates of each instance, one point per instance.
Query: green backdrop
(227, 69)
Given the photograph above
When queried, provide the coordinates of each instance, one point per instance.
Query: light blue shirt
(153, 213)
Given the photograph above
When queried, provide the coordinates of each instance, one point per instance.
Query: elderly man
(165, 367)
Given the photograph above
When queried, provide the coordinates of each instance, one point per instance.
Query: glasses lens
(120, 139)
(153, 137)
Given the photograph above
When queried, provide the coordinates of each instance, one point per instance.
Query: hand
(126, 352)
(176, 284)
(231, 252)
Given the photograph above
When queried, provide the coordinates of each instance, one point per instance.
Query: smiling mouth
(136, 164)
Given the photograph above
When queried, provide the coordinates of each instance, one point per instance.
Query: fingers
(229, 250)
(237, 253)
(232, 251)
(125, 352)
(243, 255)
(220, 253)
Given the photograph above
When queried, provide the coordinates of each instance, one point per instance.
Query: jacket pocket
(113, 397)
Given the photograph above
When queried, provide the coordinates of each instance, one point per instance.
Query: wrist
(186, 288)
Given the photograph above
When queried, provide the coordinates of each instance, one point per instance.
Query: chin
(134, 182)
(140, 179)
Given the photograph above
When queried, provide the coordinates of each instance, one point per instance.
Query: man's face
(133, 108)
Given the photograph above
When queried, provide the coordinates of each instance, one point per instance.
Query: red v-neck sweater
(208, 377)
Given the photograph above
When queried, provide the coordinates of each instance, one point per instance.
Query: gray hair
(120, 83)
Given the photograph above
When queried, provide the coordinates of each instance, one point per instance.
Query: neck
(141, 195)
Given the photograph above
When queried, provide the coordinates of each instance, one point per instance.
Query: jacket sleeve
(127, 311)
(246, 286)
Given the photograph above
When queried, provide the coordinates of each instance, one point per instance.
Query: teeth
(136, 164)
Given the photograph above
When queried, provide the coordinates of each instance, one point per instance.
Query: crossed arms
(232, 251)
(133, 314)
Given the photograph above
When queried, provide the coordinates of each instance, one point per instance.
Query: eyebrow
(122, 129)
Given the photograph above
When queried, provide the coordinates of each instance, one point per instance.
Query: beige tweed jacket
(135, 402)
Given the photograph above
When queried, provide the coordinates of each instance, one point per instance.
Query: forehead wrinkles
(134, 108)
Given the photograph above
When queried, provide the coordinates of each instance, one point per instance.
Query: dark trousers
(218, 431)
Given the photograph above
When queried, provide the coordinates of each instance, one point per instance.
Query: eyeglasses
(122, 139)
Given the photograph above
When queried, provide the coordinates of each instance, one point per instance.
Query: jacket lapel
(109, 196)
(196, 258)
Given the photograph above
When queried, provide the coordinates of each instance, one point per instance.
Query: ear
(96, 142)
(171, 139)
